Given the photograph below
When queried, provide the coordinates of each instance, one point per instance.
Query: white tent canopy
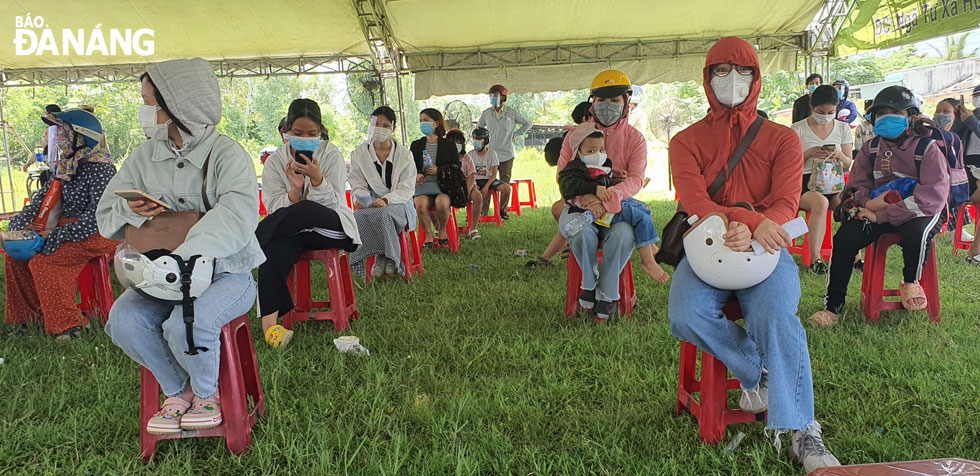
(452, 46)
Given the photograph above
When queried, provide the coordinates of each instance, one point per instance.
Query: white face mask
(731, 90)
(148, 119)
(594, 160)
(381, 134)
(823, 118)
(976, 102)
(459, 148)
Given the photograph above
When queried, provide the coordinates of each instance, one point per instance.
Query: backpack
(452, 182)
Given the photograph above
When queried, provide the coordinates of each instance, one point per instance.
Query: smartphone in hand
(136, 194)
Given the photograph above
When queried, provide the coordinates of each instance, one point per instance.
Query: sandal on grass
(278, 336)
(444, 242)
(974, 260)
(825, 318)
(534, 263)
(566, 252)
(474, 234)
(167, 420)
(911, 292)
(818, 267)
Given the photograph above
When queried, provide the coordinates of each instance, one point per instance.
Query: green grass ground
(510, 386)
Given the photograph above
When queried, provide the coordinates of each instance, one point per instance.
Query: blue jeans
(616, 250)
(637, 214)
(772, 338)
(153, 333)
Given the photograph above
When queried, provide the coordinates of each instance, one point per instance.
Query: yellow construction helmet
(611, 83)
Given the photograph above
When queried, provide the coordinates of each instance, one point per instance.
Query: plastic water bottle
(426, 160)
(577, 224)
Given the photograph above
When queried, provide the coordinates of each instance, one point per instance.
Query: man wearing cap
(627, 149)
(43, 288)
(501, 121)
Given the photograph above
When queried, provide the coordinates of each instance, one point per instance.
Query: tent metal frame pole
(7, 163)
(401, 107)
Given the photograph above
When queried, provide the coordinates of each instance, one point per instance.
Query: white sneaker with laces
(756, 401)
(378, 270)
(809, 450)
(965, 235)
(390, 266)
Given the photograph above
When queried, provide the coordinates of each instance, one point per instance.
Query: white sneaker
(809, 450)
(391, 267)
(756, 401)
(378, 270)
(965, 235)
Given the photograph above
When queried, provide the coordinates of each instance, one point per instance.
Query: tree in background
(954, 48)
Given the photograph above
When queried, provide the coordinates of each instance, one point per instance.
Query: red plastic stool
(826, 249)
(452, 231)
(238, 382)
(573, 284)
(495, 218)
(95, 288)
(711, 409)
(958, 243)
(411, 251)
(341, 305)
(873, 283)
(350, 201)
(515, 201)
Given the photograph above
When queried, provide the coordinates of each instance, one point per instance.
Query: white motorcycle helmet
(719, 266)
(160, 278)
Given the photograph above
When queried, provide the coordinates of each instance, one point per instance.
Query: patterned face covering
(72, 151)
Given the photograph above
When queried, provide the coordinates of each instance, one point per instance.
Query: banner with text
(879, 24)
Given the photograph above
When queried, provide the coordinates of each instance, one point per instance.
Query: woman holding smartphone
(823, 139)
(304, 191)
(191, 168)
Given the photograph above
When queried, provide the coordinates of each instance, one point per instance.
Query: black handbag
(672, 239)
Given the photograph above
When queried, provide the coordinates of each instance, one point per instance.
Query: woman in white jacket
(382, 179)
(304, 192)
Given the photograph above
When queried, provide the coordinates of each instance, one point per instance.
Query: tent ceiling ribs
(249, 67)
(384, 47)
(827, 24)
(583, 53)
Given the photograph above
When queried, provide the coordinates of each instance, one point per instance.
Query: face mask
(891, 126)
(731, 90)
(943, 120)
(607, 113)
(427, 128)
(976, 102)
(478, 145)
(867, 116)
(811, 88)
(459, 148)
(595, 160)
(308, 144)
(285, 138)
(148, 119)
(381, 134)
(823, 118)
(840, 94)
(495, 101)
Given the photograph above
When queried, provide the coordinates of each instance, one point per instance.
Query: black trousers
(855, 235)
(283, 241)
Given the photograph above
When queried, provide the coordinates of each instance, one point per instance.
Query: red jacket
(768, 175)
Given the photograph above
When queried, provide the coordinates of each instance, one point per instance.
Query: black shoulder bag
(672, 242)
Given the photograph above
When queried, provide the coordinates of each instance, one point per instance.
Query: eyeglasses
(724, 69)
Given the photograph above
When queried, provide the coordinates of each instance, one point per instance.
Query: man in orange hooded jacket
(769, 356)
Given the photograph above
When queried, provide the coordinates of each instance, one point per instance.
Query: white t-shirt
(840, 135)
(485, 163)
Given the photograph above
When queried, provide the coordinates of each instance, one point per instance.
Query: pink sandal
(825, 318)
(910, 292)
(204, 413)
(167, 421)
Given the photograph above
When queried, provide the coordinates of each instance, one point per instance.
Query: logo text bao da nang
(32, 36)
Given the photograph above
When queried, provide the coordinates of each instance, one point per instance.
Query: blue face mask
(308, 144)
(867, 116)
(891, 126)
(943, 120)
(427, 128)
(840, 94)
(478, 145)
(811, 88)
(495, 101)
